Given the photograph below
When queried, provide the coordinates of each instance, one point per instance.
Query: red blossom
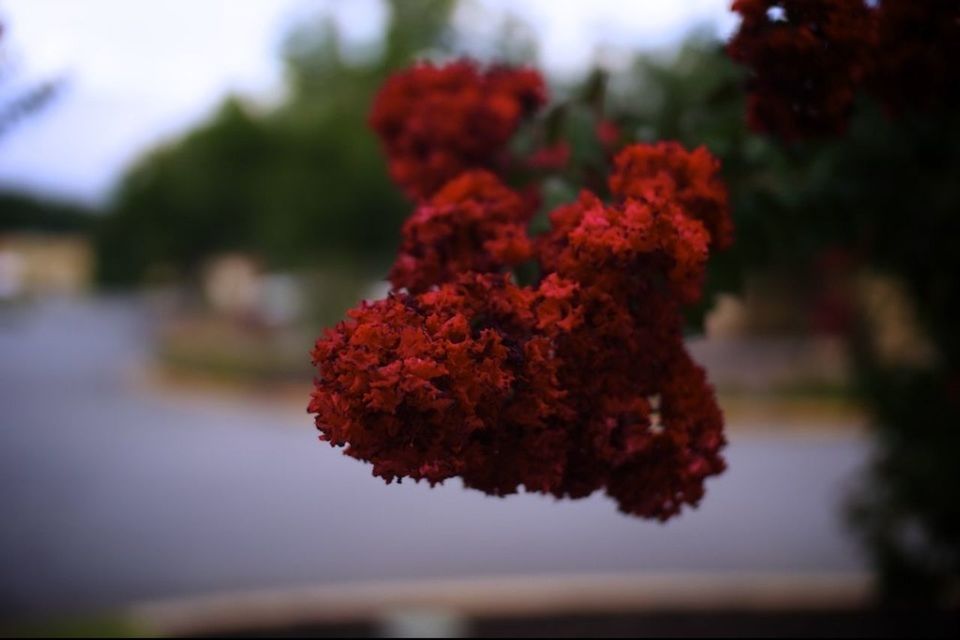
(577, 383)
(442, 384)
(436, 122)
(805, 58)
(623, 246)
(808, 59)
(917, 48)
(665, 467)
(608, 134)
(691, 179)
(474, 223)
(550, 158)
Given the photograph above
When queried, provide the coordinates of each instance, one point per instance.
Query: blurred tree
(415, 27)
(303, 183)
(21, 212)
(184, 201)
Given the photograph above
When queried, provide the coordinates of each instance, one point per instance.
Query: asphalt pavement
(112, 492)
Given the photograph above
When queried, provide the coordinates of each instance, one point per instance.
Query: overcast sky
(138, 72)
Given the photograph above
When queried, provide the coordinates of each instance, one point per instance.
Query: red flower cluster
(691, 179)
(474, 223)
(808, 59)
(917, 48)
(436, 122)
(450, 382)
(577, 383)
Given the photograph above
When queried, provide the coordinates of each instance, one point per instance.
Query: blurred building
(34, 263)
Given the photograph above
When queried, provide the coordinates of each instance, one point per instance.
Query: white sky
(140, 71)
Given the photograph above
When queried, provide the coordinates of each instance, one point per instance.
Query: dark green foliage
(20, 212)
(300, 184)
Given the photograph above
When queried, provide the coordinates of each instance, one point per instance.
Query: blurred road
(111, 493)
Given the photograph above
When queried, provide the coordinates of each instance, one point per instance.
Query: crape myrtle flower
(474, 223)
(576, 383)
(690, 179)
(917, 48)
(809, 58)
(806, 59)
(449, 382)
(465, 380)
(623, 246)
(646, 426)
(437, 121)
(666, 462)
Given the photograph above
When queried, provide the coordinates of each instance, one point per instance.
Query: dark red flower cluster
(577, 383)
(809, 58)
(451, 382)
(474, 223)
(436, 122)
(917, 48)
(689, 178)
(806, 59)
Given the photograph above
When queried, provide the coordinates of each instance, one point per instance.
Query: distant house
(41, 264)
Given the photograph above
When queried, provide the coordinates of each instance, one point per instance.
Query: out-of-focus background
(189, 194)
